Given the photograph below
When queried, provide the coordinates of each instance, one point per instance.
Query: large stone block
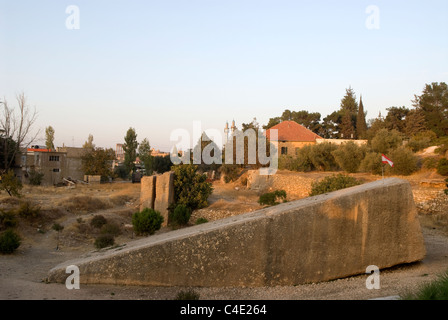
(148, 192)
(310, 240)
(164, 194)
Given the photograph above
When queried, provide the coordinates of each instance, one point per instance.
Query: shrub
(187, 295)
(28, 211)
(349, 156)
(231, 172)
(104, 240)
(111, 228)
(332, 183)
(85, 204)
(430, 163)
(191, 188)
(146, 221)
(442, 167)
(201, 220)
(10, 184)
(180, 215)
(304, 161)
(271, 198)
(9, 241)
(288, 163)
(8, 219)
(35, 177)
(385, 140)
(321, 156)
(405, 161)
(98, 221)
(434, 290)
(422, 140)
(371, 163)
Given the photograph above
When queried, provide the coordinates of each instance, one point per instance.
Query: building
(341, 141)
(53, 165)
(119, 153)
(74, 162)
(291, 137)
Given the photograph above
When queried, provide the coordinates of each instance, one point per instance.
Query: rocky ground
(22, 274)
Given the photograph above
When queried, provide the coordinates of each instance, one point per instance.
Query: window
(56, 170)
(284, 150)
(54, 158)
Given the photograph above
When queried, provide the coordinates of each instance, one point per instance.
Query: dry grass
(435, 221)
(84, 204)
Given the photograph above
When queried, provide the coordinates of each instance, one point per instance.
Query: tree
(396, 118)
(386, 140)
(97, 161)
(415, 122)
(190, 188)
(49, 138)
(433, 103)
(361, 125)
(349, 156)
(144, 153)
(130, 150)
(161, 164)
(58, 228)
(89, 143)
(16, 127)
(10, 183)
(349, 110)
(347, 127)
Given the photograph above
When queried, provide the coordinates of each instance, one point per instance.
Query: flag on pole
(385, 159)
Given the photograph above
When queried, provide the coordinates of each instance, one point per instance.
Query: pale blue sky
(160, 65)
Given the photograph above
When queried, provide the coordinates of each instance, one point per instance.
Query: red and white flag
(385, 159)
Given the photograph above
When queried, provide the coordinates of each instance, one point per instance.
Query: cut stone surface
(315, 239)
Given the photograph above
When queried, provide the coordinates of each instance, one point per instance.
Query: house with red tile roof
(291, 136)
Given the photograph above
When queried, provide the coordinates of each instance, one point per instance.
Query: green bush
(11, 184)
(442, 167)
(35, 177)
(147, 221)
(231, 172)
(304, 161)
(111, 228)
(180, 215)
(288, 163)
(371, 163)
(321, 156)
(422, 140)
(9, 241)
(333, 183)
(98, 221)
(349, 156)
(191, 188)
(430, 163)
(434, 290)
(28, 211)
(271, 198)
(187, 295)
(104, 240)
(385, 140)
(201, 220)
(405, 161)
(8, 219)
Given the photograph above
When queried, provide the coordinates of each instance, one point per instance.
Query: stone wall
(310, 240)
(157, 192)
